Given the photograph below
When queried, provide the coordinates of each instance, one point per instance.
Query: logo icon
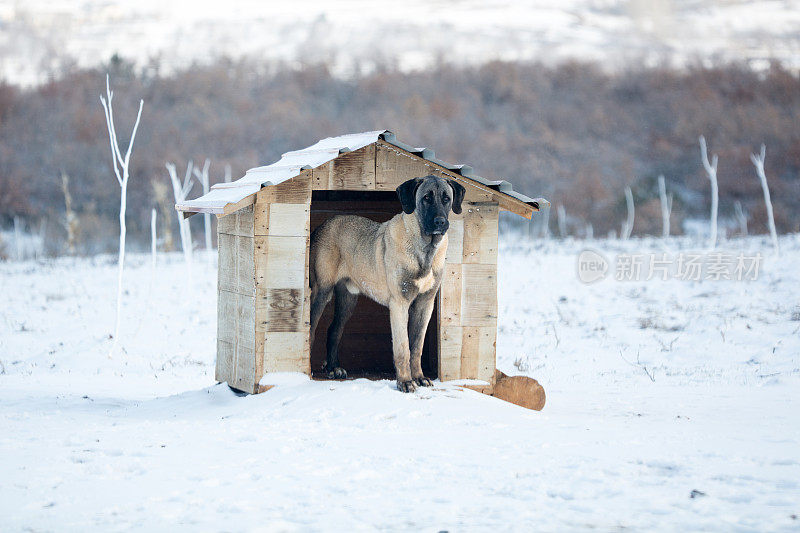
(592, 266)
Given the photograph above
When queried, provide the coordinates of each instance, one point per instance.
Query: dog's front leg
(398, 314)
(419, 316)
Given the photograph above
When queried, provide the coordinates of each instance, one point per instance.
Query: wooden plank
(470, 352)
(244, 222)
(280, 261)
(235, 267)
(233, 208)
(455, 239)
(280, 309)
(226, 263)
(478, 295)
(236, 340)
(480, 233)
(394, 166)
(321, 177)
(487, 362)
(284, 351)
(245, 268)
(228, 224)
(450, 340)
(288, 220)
(261, 218)
(504, 201)
(296, 190)
(244, 374)
(450, 310)
(307, 304)
(226, 336)
(354, 170)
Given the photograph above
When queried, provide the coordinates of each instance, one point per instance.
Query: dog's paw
(406, 386)
(337, 373)
(423, 382)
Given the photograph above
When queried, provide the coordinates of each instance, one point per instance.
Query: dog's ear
(458, 195)
(407, 192)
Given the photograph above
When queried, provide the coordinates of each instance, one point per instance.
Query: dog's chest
(426, 282)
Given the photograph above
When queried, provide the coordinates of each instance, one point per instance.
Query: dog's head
(431, 198)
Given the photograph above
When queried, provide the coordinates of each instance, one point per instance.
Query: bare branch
(133, 133)
(110, 126)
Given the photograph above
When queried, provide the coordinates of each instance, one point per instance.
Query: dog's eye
(445, 199)
(429, 197)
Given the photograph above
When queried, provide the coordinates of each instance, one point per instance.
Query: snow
(148, 441)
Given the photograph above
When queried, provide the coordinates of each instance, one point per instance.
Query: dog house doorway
(366, 346)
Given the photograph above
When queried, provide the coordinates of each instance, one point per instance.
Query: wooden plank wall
(282, 293)
(236, 304)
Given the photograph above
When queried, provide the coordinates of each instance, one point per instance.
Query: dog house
(265, 221)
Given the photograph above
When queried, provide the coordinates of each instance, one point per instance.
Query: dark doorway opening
(366, 346)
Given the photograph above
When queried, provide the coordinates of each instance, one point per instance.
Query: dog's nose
(440, 222)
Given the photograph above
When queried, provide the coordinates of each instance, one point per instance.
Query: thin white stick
(202, 177)
(666, 206)
(711, 170)
(589, 231)
(758, 161)
(120, 164)
(627, 226)
(562, 221)
(741, 217)
(153, 236)
(227, 174)
(180, 191)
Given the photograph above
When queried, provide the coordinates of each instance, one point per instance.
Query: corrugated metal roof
(292, 163)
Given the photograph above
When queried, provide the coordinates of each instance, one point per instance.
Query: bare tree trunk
(740, 217)
(562, 222)
(627, 226)
(711, 170)
(71, 223)
(666, 206)
(227, 173)
(121, 165)
(202, 177)
(180, 192)
(589, 231)
(758, 161)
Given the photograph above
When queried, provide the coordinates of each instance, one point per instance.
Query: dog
(398, 263)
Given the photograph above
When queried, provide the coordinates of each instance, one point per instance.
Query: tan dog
(398, 264)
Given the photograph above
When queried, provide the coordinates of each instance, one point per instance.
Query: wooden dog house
(265, 220)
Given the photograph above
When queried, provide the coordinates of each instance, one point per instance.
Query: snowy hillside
(36, 34)
(671, 405)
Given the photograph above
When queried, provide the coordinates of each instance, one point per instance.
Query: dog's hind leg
(343, 310)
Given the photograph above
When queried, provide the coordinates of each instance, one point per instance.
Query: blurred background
(570, 100)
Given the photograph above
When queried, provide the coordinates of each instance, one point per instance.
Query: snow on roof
(292, 163)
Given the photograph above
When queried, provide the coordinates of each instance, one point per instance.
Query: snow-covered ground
(657, 391)
(353, 35)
